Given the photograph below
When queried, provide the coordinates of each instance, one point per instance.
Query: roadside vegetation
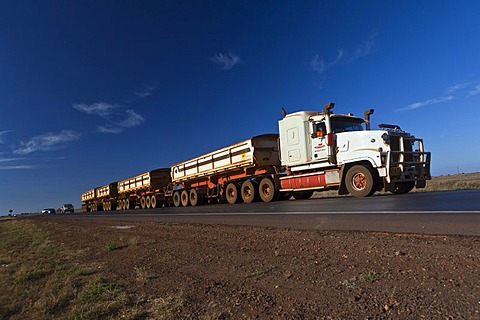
(41, 279)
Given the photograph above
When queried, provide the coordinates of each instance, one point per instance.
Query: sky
(93, 92)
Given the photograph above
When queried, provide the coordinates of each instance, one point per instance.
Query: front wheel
(360, 181)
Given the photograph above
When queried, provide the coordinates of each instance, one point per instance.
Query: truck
(67, 208)
(313, 151)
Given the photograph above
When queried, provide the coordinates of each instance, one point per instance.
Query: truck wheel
(153, 201)
(194, 197)
(360, 181)
(142, 202)
(231, 193)
(127, 204)
(184, 198)
(266, 189)
(403, 187)
(148, 202)
(302, 195)
(249, 191)
(176, 199)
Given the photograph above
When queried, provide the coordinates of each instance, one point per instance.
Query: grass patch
(261, 271)
(42, 279)
(169, 306)
(373, 276)
(112, 246)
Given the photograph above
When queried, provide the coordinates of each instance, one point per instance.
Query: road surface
(447, 212)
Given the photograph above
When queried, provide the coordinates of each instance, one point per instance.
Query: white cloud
(10, 159)
(47, 142)
(475, 91)
(133, 119)
(428, 102)
(118, 120)
(456, 91)
(144, 92)
(226, 61)
(2, 141)
(319, 65)
(17, 167)
(457, 87)
(100, 108)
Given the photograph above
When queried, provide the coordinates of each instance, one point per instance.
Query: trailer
(88, 199)
(245, 171)
(146, 190)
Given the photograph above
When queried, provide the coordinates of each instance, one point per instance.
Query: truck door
(319, 142)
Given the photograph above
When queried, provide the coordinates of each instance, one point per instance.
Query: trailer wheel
(142, 202)
(184, 198)
(403, 187)
(360, 181)
(266, 189)
(249, 191)
(194, 197)
(148, 202)
(176, 199)
(302, 195)
(153, 201)
(231, 193)
(127, 204)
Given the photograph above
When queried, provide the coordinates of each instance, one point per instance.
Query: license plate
(395, 171)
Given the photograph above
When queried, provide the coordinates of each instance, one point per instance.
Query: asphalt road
(447, 212)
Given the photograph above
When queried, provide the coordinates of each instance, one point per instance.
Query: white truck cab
(322, 150)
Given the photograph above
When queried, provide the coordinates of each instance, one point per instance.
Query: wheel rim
(142, 202)
(359, 181)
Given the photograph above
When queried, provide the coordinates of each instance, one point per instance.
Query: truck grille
(408, 161)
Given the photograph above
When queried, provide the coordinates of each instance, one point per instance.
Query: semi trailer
(313, 151)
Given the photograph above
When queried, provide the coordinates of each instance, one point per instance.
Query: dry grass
(41, 279)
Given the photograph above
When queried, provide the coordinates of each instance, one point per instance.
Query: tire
(184, 198)
(127, 204)
(231, 193)
(148, 202)
(403, 187)
(142, 202)
(193, 197)
(249, 192)
(176, 199)
(266, 190)
(302, 195)
(360, 181)
(153, 201)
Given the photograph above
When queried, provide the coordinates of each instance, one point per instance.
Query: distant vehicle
(67, 208)
(48, 211)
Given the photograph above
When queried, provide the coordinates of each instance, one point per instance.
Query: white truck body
(314, 141)
(88, 195)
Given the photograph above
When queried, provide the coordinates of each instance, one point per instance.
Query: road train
(313, 151)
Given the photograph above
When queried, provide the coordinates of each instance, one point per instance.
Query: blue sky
(93, 92)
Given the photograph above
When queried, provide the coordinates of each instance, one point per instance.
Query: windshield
(346, 124)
